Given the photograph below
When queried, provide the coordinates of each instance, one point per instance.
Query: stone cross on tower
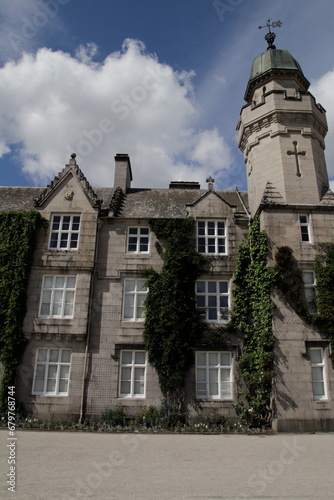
(296, 154)
(210, 182)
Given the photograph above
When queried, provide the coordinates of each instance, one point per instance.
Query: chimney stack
(123, 172)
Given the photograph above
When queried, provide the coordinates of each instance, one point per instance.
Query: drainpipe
(99, 225)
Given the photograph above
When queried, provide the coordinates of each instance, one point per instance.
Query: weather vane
(270, 36)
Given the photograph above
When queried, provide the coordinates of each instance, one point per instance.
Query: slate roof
(137, 203)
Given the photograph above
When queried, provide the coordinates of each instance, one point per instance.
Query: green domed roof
(273, 59)
(278, 62)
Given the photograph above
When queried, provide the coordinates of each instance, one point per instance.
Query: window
(138, 239)
(135, 292)
(304, 228)
(58, 296)
(318, 372)
(211, 238)
(132, 374)
(52, 372)
(64, 233)
(213, 300)
(214, 375)
(309, 284)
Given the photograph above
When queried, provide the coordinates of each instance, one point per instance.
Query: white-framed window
(57, 299)
(135, 292)
(317, 357)
(211, 237)
(214, 376)
(132, 378)
(213, 300)
(52, 372)
(305, 233)
(138, 239)
(64, 233)
(309, 290)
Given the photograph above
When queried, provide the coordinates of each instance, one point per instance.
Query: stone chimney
(123, 172)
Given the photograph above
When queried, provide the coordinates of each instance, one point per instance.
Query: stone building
(84, 316)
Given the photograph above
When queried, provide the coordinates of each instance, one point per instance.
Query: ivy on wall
(17, 243)
(324, 274)
(252, 317)
(290, 281)
(173, 325)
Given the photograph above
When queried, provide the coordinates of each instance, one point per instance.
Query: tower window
(318, 372)
(305, 228)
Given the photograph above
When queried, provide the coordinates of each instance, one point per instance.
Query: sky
(161, 81)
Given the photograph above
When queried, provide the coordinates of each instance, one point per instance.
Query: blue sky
(161, 81)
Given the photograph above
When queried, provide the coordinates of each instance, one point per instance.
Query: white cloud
(53, 104)
(322, 89)
(23, 23)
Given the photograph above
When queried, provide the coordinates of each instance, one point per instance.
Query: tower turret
(281, 132)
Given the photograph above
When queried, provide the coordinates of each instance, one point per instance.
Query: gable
(211, 205)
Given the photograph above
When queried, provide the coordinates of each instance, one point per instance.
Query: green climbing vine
(290, 281)
(17, 242)
(324, 274)
(252, 317)
(173, 325)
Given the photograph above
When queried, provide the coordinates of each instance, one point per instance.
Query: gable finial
(210, 182)
(270, 36)
(72, 159)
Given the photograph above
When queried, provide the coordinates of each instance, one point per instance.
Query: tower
(281, 132)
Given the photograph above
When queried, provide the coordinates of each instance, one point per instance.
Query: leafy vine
(324, 274)
(17, 243)
(252, 317)
(173, 325)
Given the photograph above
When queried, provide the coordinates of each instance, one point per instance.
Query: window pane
(125, 387)
(138, 387)
(126, 373)
(212, 286)
(60, 282)
(213, 388)
(201, 358)
(71, 280)
(226, 390)
(303, 219)
(201, 375)
(318, 389)
(213, 358)
(223, 287)
(54, 353)
(69, 299)
(127, 357)
(41, 354)
(139, 374)
(317, 374)
(133, 230)
(51, 385)
(144, 230)
(63, 385)
(316, 355)
(140, 358)
(64, 372)
(48, 282)
(40, 372)
(308, 277)
(130, 285)
(39, 385)
(66, 356)
(225, 359)
(57, 300)
(213, 375)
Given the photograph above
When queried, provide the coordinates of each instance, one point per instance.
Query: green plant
(324, 274)
(252, 317)
(17, 242)
(173, 325)
(290, 281)
(114, 416)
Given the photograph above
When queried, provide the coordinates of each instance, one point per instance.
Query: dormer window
(64, 234)
(211, 237)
